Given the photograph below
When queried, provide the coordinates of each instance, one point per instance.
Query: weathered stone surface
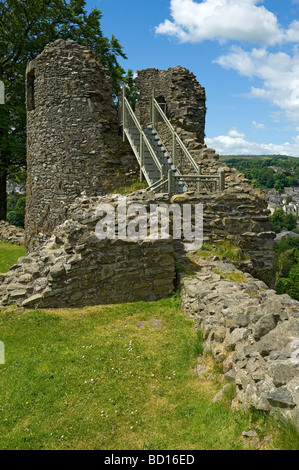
(73, 141)
(263, 326)
(261, 357)
(181, 96)
(281, 397)
(76, 268)
(11, 234)
(33, 301)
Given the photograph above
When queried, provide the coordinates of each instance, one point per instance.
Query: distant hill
(225, 158)
(266, 171)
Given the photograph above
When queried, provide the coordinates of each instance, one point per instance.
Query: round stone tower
(72, 135)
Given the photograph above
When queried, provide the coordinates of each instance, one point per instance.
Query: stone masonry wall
(239, 215)
(251, 330)
(11, 234)
(185, 98)
(185, 102)
(73, 143)
(75, 268)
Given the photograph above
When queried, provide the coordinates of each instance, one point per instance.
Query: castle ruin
(73, 144)
(77, 158)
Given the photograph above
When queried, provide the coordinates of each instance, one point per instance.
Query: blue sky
(244, 52)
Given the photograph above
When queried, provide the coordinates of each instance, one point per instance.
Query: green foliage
(287, 267)
(131, 88)
(26, 27)
(225, 249)
(293, 289)
(16, 209)
(281, 221)
(285, 262)
(257, 170)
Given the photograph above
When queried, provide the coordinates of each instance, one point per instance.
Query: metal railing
(140, 144)
(184, 167)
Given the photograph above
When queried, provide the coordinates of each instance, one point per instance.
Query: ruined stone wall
(252, 331)
(75, 268)
(11, 234)
(185, 105)
(239, 215)
(185, 98)
(73, 143)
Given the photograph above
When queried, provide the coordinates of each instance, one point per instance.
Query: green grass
(224, 250)
(112, 377)
(115, 377)
(9, 255)
(235, 276)
(136, 186)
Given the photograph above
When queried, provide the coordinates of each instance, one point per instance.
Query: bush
(286, 261)
(277, 220)
(294, 278)
(287, 267)
(16, 209)
(282, 221)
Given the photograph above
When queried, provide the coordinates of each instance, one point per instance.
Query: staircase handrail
(176, 138)
(127, 108)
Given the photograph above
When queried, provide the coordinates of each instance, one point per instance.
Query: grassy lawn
(9, 255)
(114, 377)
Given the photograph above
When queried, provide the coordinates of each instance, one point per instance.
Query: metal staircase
(172, 172)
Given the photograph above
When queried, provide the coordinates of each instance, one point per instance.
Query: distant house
(278, 170)
(281, 235)
(291, 208)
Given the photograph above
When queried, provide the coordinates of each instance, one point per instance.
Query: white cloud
(235, 143)
(235, 134)
(278, 71)
(223, 20)
(258, 125)
(292, 34)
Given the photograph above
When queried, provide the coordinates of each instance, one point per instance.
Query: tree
(286, 261)
(26, 27)
(278, 220)
(131, 88)
(290, 221)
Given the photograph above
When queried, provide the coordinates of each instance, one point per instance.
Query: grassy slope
(115, 377)
(9, 255)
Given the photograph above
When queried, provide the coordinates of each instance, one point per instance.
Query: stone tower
(183, 98)
(73, 143)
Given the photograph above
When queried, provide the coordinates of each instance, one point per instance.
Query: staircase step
(151, 171)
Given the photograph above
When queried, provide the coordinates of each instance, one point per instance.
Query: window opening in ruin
(30, 90)
(162, 102)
